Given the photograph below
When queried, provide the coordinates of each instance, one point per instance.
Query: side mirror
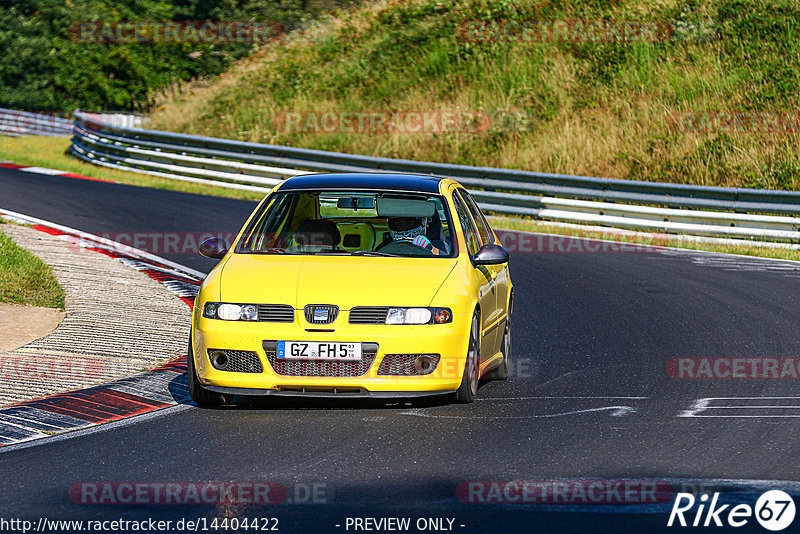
(215, 248)
(491, 254)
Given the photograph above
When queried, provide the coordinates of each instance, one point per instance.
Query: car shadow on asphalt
(179, 390)
(334, 403)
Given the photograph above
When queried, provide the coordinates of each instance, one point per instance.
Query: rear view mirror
(215, 248)
(491, 254)
(356, 203)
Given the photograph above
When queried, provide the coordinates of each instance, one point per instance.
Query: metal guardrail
(17, 123)
(653, 206)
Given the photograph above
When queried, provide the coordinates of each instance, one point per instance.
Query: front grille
(321, 313)
(405, 365)
(276, 313)
(238, 361)
(322, 368)
(368, 315)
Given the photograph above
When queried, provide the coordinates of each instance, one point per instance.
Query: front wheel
(469, 382)
(200, 395)
(501, 372)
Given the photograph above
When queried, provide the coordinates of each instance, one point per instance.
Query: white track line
(41, 170)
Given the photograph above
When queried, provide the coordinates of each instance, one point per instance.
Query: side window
(264, 230)
(467, 225)
(484, 229)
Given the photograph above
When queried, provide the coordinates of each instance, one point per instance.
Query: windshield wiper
(280, 251)
(354, 253)
(372, 253)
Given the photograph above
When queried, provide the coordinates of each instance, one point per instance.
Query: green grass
(51, 152)
(663, 240)
(25, 279)
(590, 108)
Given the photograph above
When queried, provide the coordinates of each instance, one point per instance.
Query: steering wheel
(403, 248)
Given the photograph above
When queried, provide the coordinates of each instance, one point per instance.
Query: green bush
(44, 69)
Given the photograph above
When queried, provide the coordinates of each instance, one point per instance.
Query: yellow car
(347, 285)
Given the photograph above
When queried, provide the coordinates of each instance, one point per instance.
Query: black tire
(200, 395)
(501, 371)
(469, 381)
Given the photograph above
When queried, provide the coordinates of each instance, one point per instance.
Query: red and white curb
(142, 393)
(49, 172)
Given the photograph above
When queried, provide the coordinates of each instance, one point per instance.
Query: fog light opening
(423, 363)
(220, 359)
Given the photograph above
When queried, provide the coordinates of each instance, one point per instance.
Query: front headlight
(230, 312)
(418, 315)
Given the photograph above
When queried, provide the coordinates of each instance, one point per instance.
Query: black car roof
(381, 181)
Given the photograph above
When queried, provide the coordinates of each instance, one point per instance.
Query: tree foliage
(44, 67)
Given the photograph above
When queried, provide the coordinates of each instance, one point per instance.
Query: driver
(411, 229)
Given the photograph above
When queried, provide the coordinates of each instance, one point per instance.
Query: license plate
(318, 350)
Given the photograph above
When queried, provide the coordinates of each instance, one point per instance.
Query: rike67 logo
(774, 510)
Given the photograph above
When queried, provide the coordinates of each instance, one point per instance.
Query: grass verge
(52, 152)
(25, 279)
(661, 240)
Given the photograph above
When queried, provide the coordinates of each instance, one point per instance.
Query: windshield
(359, 223)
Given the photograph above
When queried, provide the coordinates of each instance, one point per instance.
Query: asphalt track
(589, 399)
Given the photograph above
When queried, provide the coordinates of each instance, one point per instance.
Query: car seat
(317, 232)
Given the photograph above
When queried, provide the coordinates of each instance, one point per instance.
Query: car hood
(344, 281)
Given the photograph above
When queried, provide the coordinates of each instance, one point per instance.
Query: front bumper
(448, 340)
